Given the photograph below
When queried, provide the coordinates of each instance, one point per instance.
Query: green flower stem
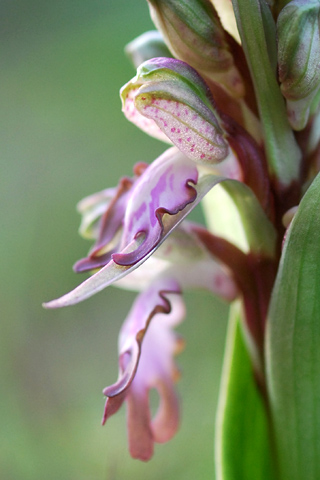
(257, 32)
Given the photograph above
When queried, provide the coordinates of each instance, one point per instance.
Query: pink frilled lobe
(166, 189)
(153, 315)
(172, 97)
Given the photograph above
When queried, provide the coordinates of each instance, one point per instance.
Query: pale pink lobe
(140, 437)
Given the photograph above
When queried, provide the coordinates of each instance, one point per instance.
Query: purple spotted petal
(150, 321)
(195, 135)
(164, 188)
(173, 95)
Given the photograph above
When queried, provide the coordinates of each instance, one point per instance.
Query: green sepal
(242, 450)
(293, 345)
(233, 212)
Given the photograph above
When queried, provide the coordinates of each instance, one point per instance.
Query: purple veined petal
(150, 321)
(147, 125)
(113, 272)
(106, 210)
(92, 263)
(166, 187)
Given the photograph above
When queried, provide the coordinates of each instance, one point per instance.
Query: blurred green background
(64, 137)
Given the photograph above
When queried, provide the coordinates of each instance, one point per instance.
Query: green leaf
(242, 438)
(293, 345)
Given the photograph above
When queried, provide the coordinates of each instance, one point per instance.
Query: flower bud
(147, 46)
(299, 58)
(194, 34)
(173, 96)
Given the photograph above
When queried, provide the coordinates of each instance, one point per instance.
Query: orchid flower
(237, 100)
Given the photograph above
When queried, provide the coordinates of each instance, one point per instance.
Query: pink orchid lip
(150, 321)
